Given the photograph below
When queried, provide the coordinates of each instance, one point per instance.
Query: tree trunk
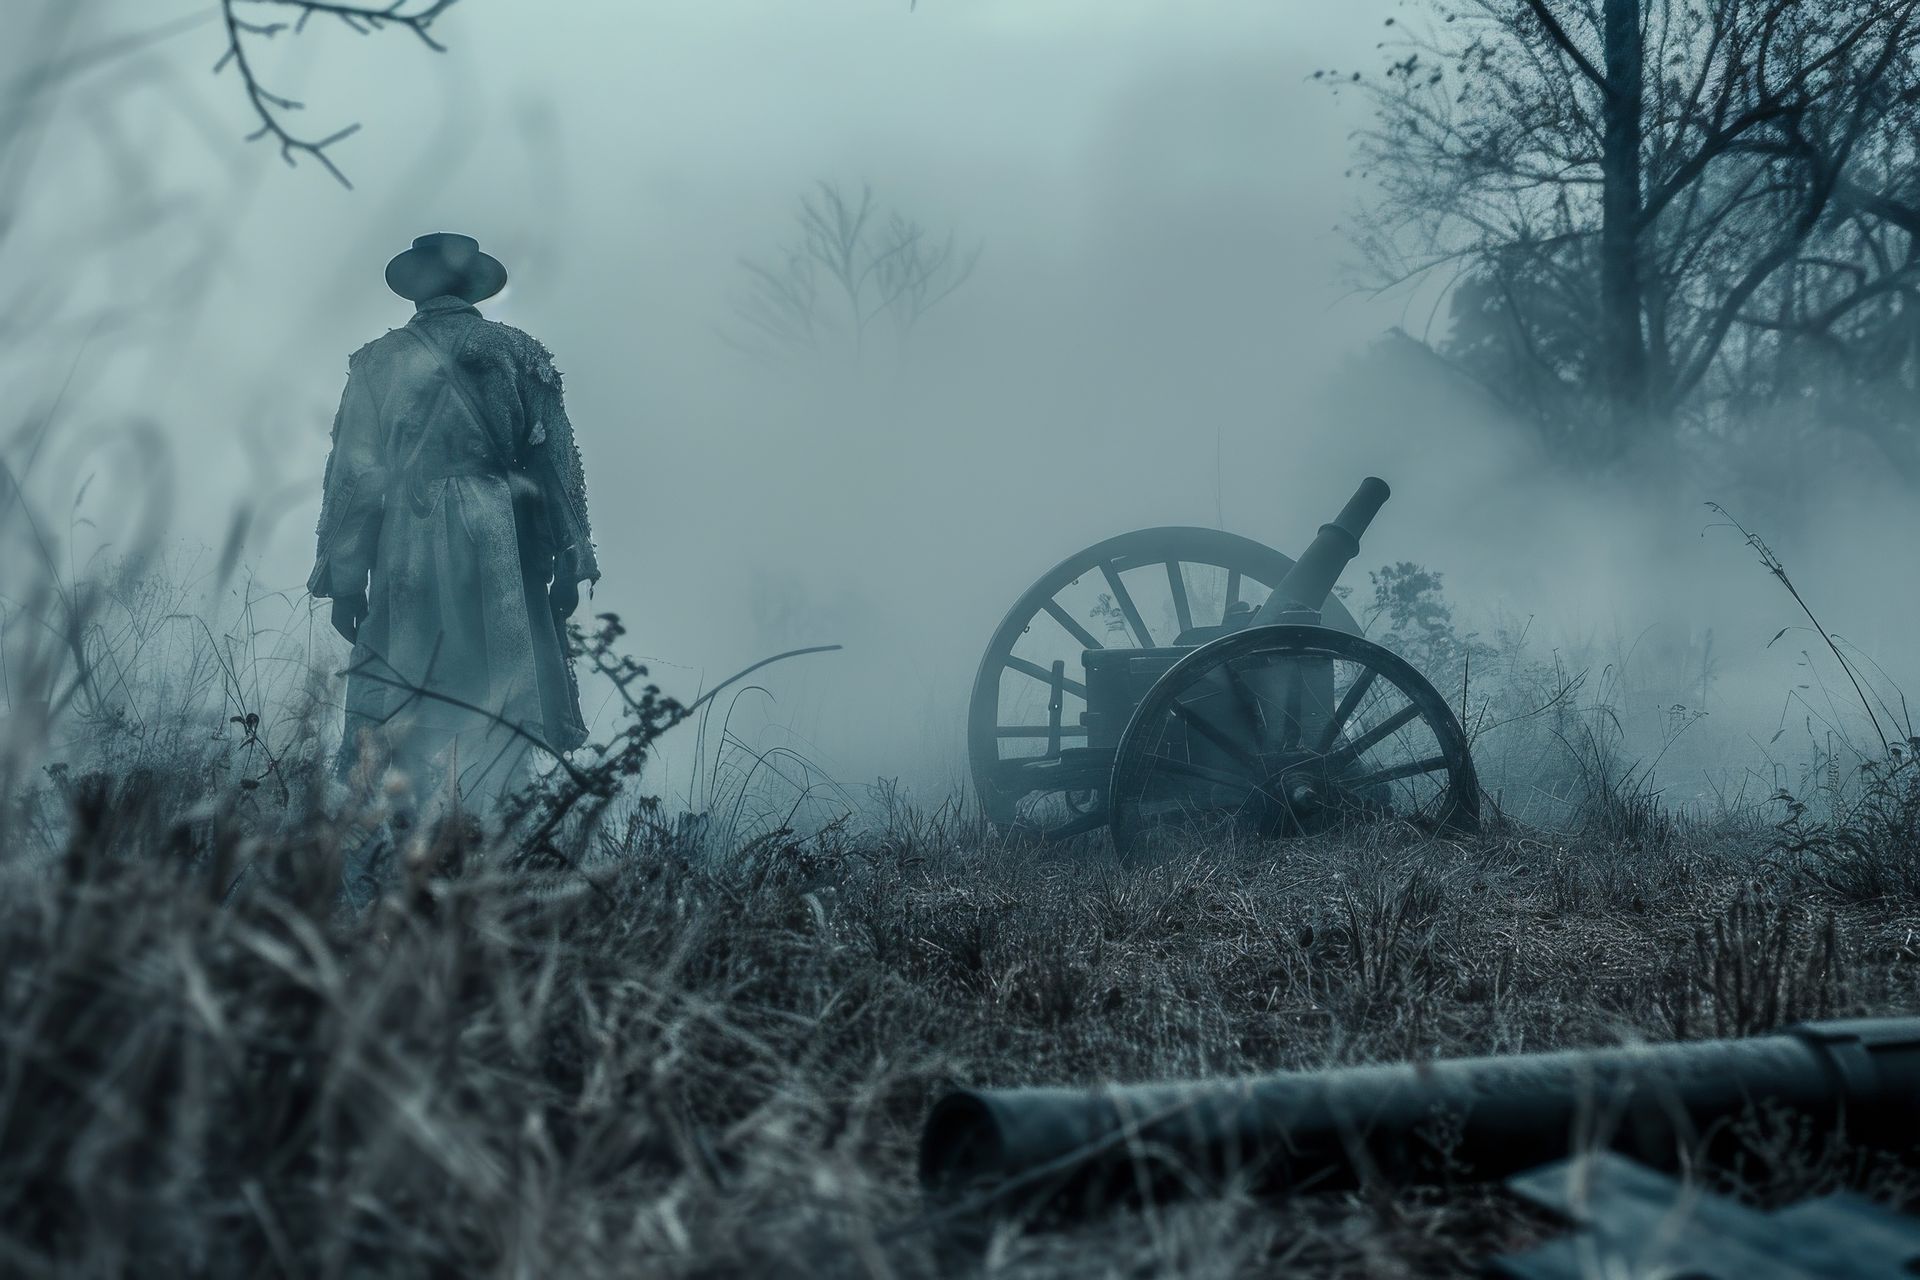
(1624, 355)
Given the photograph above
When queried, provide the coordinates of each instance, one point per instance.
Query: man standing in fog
(453, 539)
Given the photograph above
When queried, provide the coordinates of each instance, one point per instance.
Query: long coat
(453, 527)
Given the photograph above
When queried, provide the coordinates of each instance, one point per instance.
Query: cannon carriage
(1194, 679)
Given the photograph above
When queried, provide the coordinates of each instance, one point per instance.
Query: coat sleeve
(553, 452)
(355, 493)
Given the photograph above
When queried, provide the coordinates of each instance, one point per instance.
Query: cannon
(1059, 1154)
(1192, 679)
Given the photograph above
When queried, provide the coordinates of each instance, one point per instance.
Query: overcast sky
(1160, 328)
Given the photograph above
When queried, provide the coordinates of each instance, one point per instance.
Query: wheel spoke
(1056, 704)
(1038, 731)
(1205, 773)
(1182, 608)
(1344, 712)
(1290, 730)
(1233, 595)
(1128, 609)
(1072, 625)
(1374, 736)
(1413, 769)
(1045, 676)
(1212, 733)
(1250, 705)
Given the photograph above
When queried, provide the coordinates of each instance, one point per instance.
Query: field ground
(717, 1065)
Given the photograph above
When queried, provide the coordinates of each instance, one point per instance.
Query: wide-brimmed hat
(442, 264)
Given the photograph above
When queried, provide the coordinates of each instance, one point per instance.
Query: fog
(1161, 329)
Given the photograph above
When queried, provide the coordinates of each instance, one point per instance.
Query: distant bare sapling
(850, 266)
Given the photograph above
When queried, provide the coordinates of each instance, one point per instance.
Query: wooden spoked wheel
(1027, 743)
(1287, 731)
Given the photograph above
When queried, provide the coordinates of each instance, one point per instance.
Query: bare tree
(848, 266)
(416, 16)
(1627, 200)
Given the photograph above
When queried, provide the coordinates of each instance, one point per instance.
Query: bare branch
(416, 16)
(1558, 34)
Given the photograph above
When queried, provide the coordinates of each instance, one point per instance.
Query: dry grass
(669, 1064)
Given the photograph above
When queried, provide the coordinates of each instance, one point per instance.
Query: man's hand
(348, 613)
(564, 597)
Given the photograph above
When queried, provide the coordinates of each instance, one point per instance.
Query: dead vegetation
(621, 1042)
(673, 1062)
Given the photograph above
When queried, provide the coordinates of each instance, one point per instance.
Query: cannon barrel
(1067, 1153)
(1308, 583)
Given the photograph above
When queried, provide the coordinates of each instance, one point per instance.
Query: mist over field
(1191, 938)
(1162, 328)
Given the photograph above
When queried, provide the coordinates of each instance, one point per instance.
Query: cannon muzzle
(1069, 1153)
(1308, 583)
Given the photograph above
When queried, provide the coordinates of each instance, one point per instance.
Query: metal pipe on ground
(1070, 1153)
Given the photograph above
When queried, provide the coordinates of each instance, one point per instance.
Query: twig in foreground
(269, 106)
